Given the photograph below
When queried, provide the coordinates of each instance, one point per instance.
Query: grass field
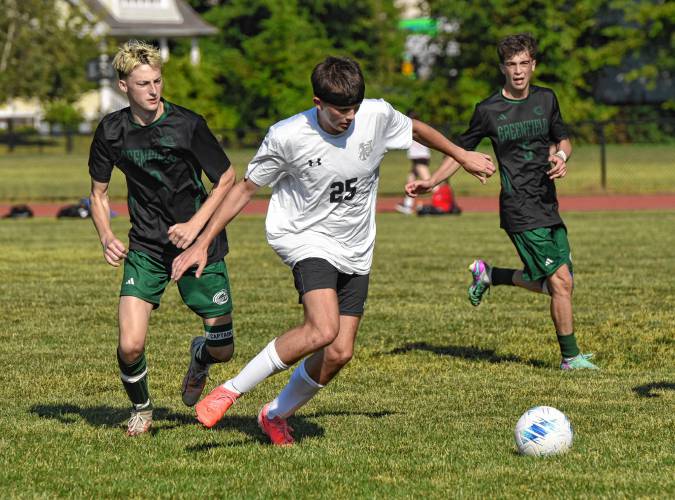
(635, 168)
(426, 409)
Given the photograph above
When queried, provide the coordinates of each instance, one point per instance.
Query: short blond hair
(134, 53)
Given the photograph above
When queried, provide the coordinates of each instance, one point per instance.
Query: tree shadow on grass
(647, 390)
(470, 353)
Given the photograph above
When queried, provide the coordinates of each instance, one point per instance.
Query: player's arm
(235, 200)
(183, 234)
(477, 164)
(113, 249)
(559, 158)
(446, 170)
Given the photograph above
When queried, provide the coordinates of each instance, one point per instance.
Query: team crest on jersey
(365, 149)
(221, 297)
(167, 141)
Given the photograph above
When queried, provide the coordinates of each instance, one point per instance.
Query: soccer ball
(542, 431)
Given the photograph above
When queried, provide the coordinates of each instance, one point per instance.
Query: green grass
(54, 176)
(426, 409)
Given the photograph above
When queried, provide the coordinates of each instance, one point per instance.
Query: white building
(120, 20)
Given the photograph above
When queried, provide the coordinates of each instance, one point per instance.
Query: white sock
(299, 390)
(265, 364)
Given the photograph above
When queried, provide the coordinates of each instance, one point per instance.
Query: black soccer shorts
(314, 274)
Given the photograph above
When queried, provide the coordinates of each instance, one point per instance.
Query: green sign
(425, 25)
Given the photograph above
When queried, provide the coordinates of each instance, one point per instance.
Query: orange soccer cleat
(277, 428)
(212, 408)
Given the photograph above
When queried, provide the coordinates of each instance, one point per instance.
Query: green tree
(577, 40)
(262, 59)
(61, 112)
(44, 45)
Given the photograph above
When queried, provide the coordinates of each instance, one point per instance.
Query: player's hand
(479, 165)
(196, 255)
(558, 167)
(113, 251)
(182, 235)
(414, 188)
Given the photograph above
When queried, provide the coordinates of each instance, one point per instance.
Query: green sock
(135, 380)
(568, 345)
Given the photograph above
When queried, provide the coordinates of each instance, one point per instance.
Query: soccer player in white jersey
(323, 165)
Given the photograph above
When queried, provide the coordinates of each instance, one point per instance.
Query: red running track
(468, 204)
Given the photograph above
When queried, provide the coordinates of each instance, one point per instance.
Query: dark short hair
(338, 81)
(515, 44)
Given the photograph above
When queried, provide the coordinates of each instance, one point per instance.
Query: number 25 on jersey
(343, 190)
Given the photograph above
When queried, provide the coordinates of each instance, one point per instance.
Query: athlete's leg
(320, 328)
(219, 345)
(134, 316)
(560, 285)
(537, 286)
(322, 366)
(315, 371)
(407, 206)
(210, 298)
(325, 364)
(421, 171)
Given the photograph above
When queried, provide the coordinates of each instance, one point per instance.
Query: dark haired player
(324, 168)
(162, 150)
(523, 121)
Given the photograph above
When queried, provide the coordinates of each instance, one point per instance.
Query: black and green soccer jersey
(162, 163)
(521, 132)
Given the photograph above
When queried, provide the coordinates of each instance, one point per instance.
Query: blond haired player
(162, 149)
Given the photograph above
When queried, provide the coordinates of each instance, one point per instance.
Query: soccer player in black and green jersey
(530, 140)
(162, 150)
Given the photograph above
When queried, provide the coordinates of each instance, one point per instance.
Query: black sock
(501, 276)
(135, 380)
(216, 336)
(204, 356)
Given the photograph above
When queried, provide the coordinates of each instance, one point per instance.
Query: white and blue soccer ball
(543, 431)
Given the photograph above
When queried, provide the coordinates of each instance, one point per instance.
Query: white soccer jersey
(325, 186)
(419, 151)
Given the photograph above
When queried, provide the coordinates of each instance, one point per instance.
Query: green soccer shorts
(542, 250)
(146, 278)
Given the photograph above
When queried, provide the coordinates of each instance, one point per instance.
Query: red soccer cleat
(277, 428)
(212, 408)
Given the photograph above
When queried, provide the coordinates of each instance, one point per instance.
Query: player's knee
(130, 351)
(320, 335)
(561, 283)
(219, 333)
(338, 357)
